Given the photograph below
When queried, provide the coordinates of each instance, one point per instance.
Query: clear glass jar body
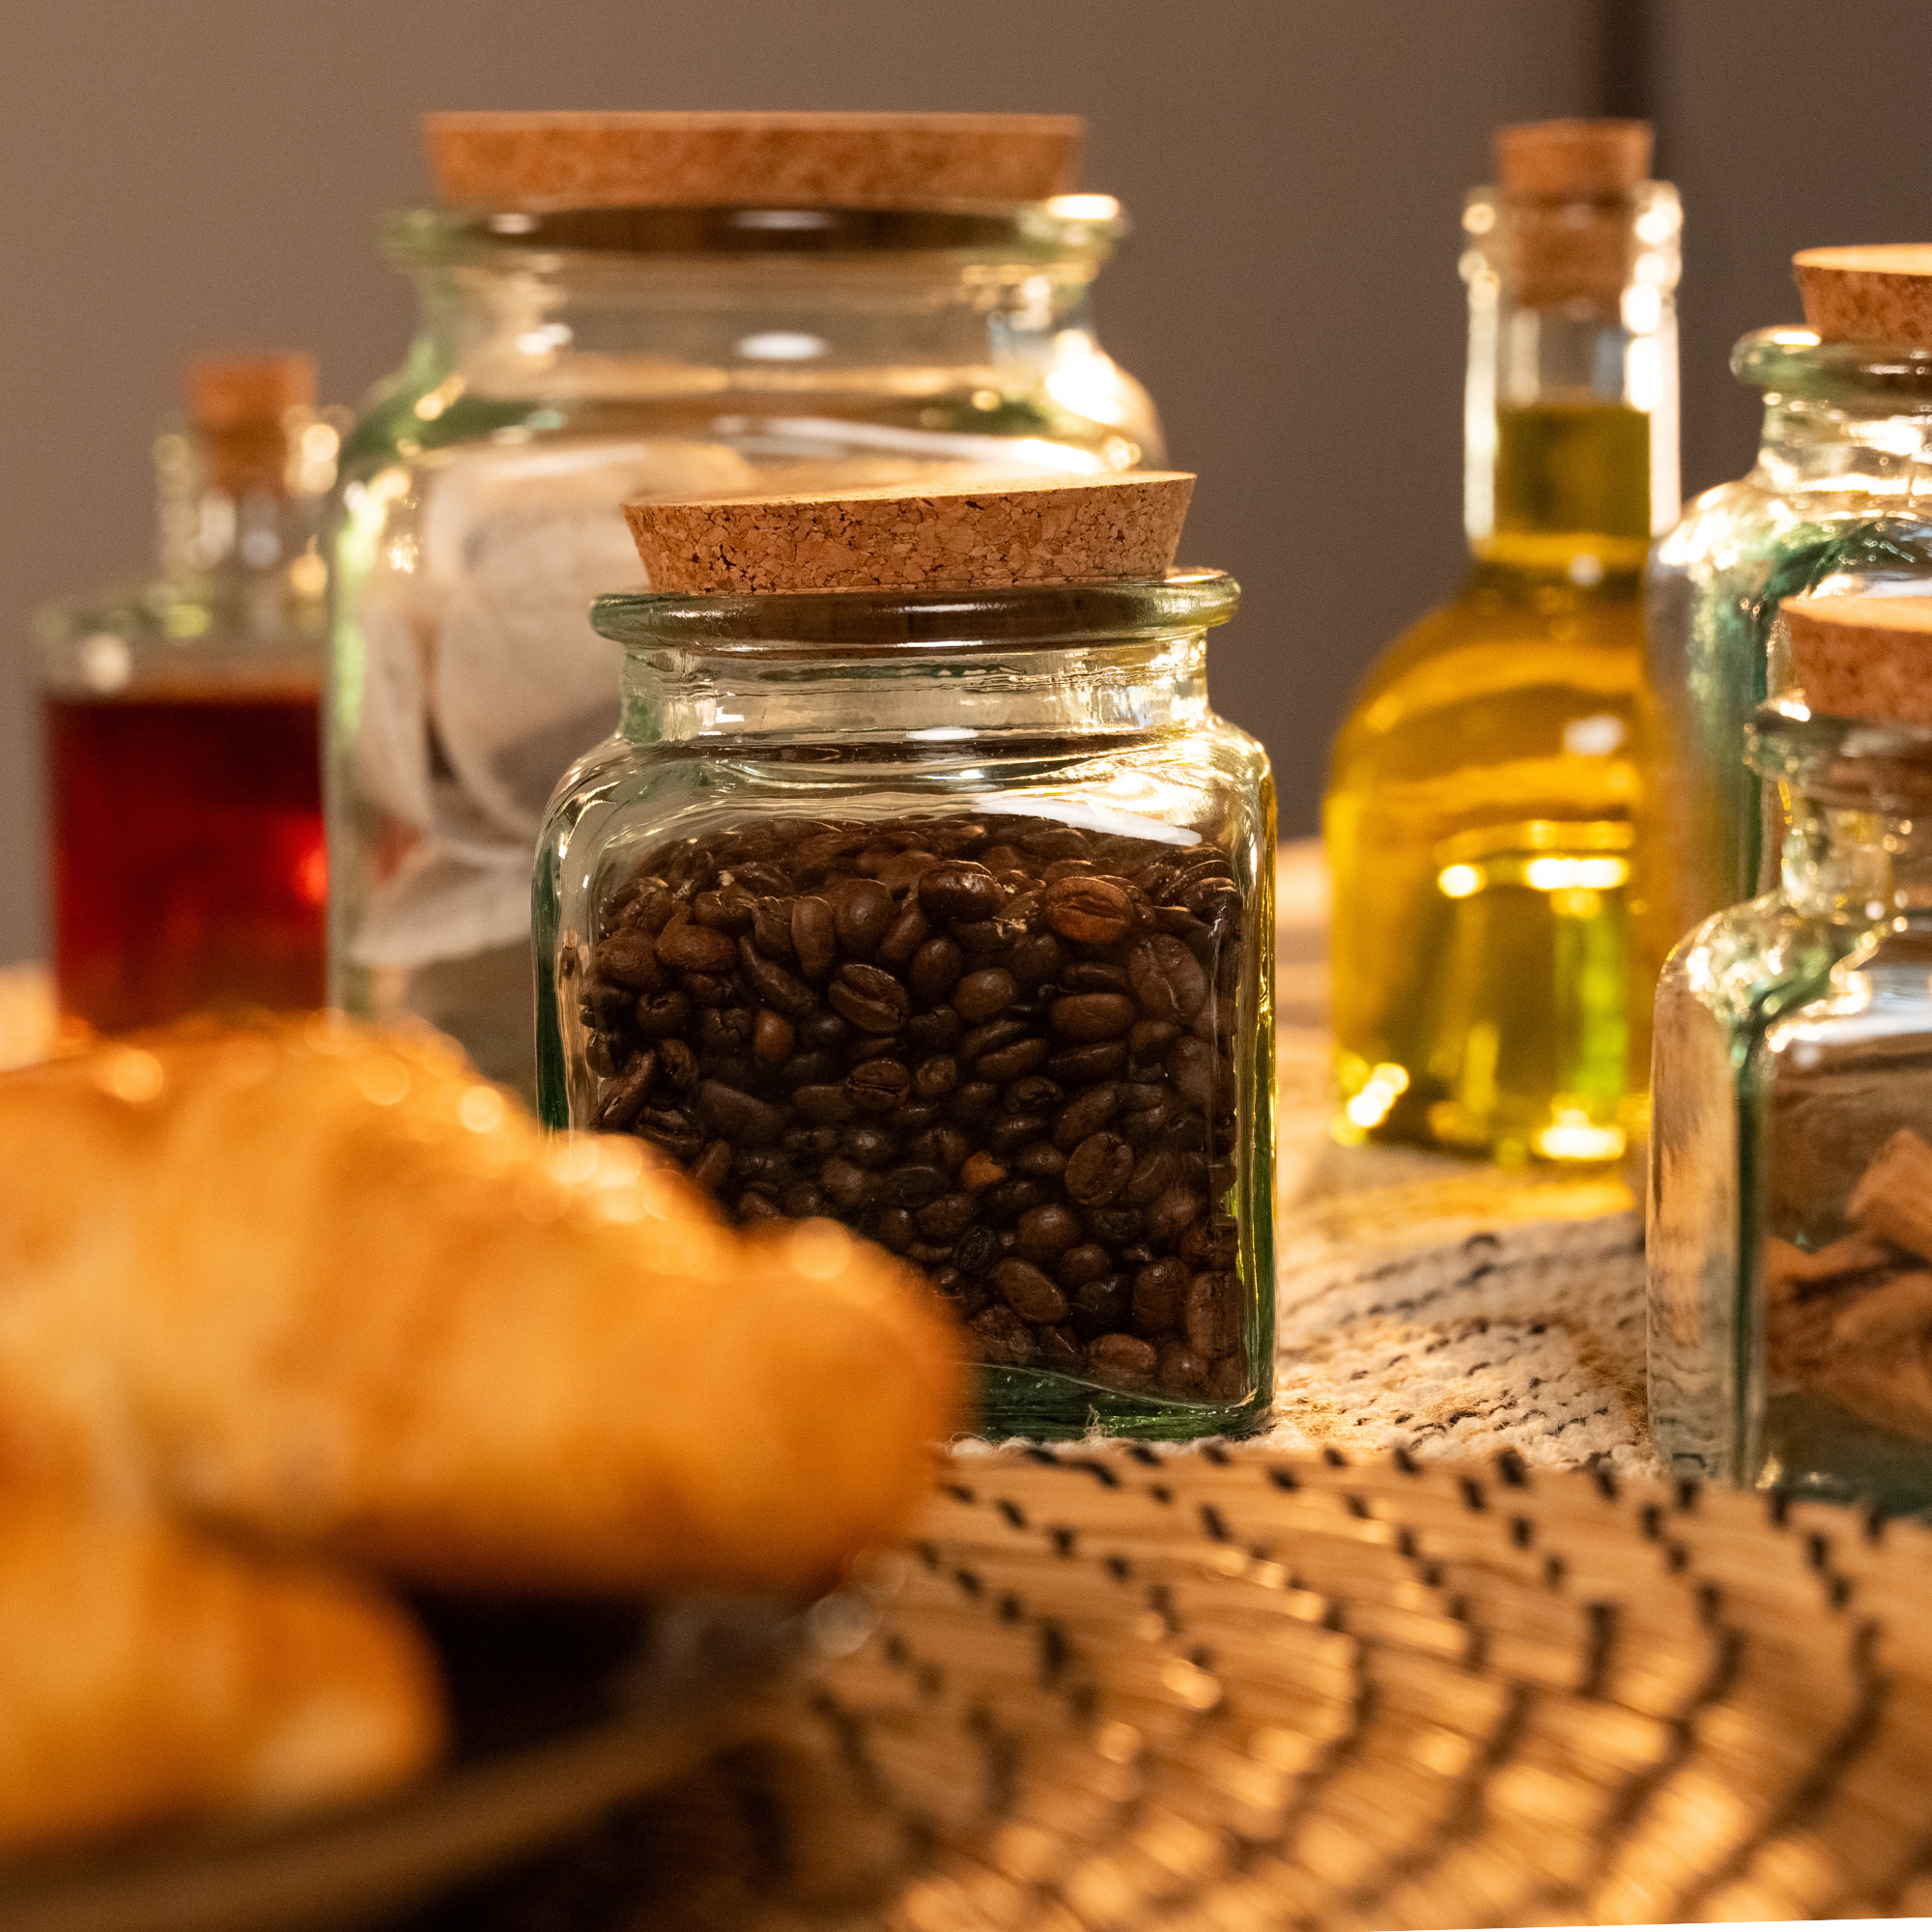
(1837, 503)
(185, 851)
(1491, 959)
(949, 917)
(1790, 1317)
(568, 362)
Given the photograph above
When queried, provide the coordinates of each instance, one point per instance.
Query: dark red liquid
(189, 865)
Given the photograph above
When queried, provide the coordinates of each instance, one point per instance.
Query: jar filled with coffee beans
(947, 913)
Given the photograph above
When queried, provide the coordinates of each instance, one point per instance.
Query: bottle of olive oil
(1492, 962)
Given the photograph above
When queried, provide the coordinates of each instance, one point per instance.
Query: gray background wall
(194, 174)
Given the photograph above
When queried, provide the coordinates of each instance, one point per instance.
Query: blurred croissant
(324, 1285)
(148, 1675)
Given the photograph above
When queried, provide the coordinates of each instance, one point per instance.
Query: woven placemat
(1239, 1691)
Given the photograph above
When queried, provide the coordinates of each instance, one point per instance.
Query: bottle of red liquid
(186, 860)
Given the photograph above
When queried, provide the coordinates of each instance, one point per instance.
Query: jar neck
(1852, 864)
(912, 702)
(1809, 446)
(1569, 454)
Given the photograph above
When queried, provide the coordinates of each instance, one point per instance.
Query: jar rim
(1793, 361)
(1871, 764)
(867, 623)
(1085, 227)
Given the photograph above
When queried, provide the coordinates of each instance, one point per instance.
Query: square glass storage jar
(948, 915)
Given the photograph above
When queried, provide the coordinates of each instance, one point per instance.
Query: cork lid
(1560, 159)
(984, 535)
(1861, 657)
(794, 160)
(1868, 295)
(235, 392)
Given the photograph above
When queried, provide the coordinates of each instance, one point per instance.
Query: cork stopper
(1861, 657)
(982, 535)
(1573, 159)
(1868, 295)
(226, 392)
(537, 162)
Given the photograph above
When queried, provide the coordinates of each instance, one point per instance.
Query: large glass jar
(567, 361)
(1838, 502)
(949, 915)
(1790, 1238)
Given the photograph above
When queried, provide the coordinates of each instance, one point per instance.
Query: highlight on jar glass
(633, 305)
(1835, 506)
(922, 888)
(1790, 1239)
(183, 765)
(1492, 958)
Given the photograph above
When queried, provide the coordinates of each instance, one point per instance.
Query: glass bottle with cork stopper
(1791, 1159)
(1837, 503)
(183, 763)
(623, 305)
(1489, 970)
(923, 891)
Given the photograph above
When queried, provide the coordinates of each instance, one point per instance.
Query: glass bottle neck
(1810, 446)
(1571, 400)
(912, 702)
(1846, 864)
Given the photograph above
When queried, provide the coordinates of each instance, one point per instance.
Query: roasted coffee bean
(1060, 1349)
(1035, 958)
(877, 1086)
(773, 1038)
(1032, 1093)
(1003, 1340)
(621, 1100)
(601, 1057)
(992, 1037)
(1087, 1262)
(1008, 1062)
(644, 905)
(1149, 1039)
(960, 890)
(927, 1254)
(1099, 1169)
(870, 1146)
(1005, 1200)
(1122, 1361)
(770, 929)
(904, 937)
(1054, 841)
(801, 1200)
(1230, 1379)
(1170, 1212)
(870, 998)
(847, 1184)
(823, 1106)
(1088, 1016)
(695, 948)
(981, 1171)
(1179, 1369)
(935, 1078)
(761, 1165)
(630, 959)
(1087, 1112)
(812, 1070)
(1210, 1243)
(913, 1116)
(1027, 1292)
(1076, 1065)
(813, 937)
(947, 1218)
(911, 1186)
(725, 1029)
(1190, 1066)
(937, 1031)
(1090, 910)
(810, 1144)
(673, 1130)
(659, 1015)
(977, 1250)
(1153, 1174)
(981, 995)
(906, 868)
(1213, 1314)
(783, 992)
(861, 913)
(974, 1101)
(1042, 1160)
(606, 1007)
(1046, 1233)
(944, 1147)
(1159, 1291)
(1116, 1225)
(1104, 1302)
(712, 1166)
(754, 1207)
(739, 1116)
(707, 989)
(680, 1064)
(892, 1227)
(724, 909)
(1010, 1132)
(935, 969)
(1094, 976)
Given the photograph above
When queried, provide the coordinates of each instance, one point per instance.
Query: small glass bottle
(184, 766)
(616, 306)
(1490, 967)
(1840, 500)
(945, 911)
(1790, 1238)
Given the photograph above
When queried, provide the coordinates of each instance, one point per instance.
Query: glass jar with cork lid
(922, 889)
(1790, 1242)
(624, 305)
(1839, 501)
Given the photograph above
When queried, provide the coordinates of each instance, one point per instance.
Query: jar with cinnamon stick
(1790, 1234)
(922, 889)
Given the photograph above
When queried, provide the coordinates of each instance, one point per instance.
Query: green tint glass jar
(1792, 1138)
(1837, 503)
(568, 360)
(948, 914)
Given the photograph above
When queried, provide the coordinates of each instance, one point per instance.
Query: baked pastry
(148, 1675)
(325, 1285)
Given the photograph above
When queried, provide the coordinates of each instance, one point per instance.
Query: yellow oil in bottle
(1491, 955)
